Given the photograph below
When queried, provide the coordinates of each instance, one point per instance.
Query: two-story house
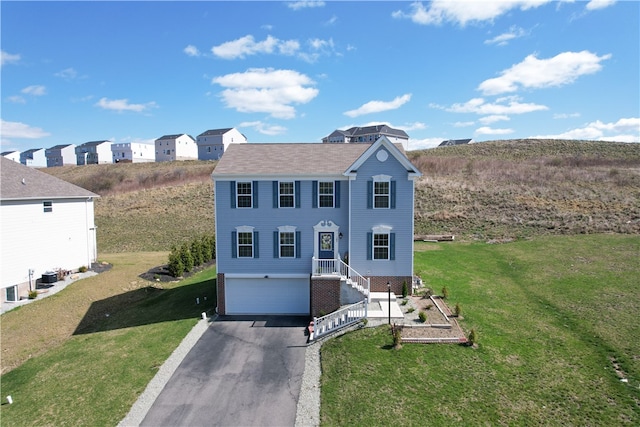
(296, 223)
(213, 143)
(47, 224)
(34, 157)
(11, 155)
(93, 153)
(133, 152)
(367, 135)
(60, 155)
(176, 147)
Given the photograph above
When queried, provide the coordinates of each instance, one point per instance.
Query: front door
(325, 245)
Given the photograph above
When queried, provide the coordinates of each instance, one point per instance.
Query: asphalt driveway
(244, 371)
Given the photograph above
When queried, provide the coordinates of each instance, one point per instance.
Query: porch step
(378, 308)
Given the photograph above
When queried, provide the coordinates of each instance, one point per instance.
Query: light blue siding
(399, 218)
(266, 219)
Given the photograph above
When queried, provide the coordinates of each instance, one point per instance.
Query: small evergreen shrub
(445, 292)
(411, 310)
(187, 258)
(33, 294)
(423, 316)
(405, 290)
(396, 332)
(82, 269)
(472, 338)
(175, 266)
(404, 302)
(457, 309)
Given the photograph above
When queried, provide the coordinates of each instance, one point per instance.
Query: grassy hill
(496, 190)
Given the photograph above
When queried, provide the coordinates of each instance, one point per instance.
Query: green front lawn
(95, 376)
(557, 324)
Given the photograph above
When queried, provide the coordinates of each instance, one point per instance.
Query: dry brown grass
(28, 332)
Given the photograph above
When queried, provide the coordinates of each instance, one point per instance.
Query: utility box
(49, 277)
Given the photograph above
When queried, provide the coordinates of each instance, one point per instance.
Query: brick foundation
(325, 295)
(220, 295)
(379, 284)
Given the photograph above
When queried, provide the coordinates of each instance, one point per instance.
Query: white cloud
(486, 130)
(246, 46)
(35, 90)
(303, 4)
(565, 115)
(463, 124)
(624, 130)
(264, 128)
(493, 118)
(67, 74)
(21, 130)
(16, 99)
(423, 144)
(504, 38)
(191, 50)
(599, 4)
(265, 90)
(502, 106)
(379, 106)
(462, 12)
(121, 105)
(537, 73)
(8, 58)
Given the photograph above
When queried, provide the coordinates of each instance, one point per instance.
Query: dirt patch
(161, 273)
(439, 325)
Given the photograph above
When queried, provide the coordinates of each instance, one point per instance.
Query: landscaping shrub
(82, 269)
(196, 252)
(472, 338)
(457, 310)
(175, 266)
(445, 292)
(186, 257)
(423, 316)
(33, 294)
(396, 332)
(405, 290)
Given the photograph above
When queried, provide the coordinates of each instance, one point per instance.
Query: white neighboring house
(61, 155)
(11, 155)
(176, 147)
(213, 143)
(134, 152)
(34, 157)
(93, 153)
(47, 224)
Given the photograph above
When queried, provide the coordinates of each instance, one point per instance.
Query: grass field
(558, 330)
(86, 353)
(496, 190)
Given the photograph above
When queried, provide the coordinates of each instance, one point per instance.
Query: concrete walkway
(47, 290)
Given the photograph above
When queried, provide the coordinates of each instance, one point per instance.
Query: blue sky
(295, 71)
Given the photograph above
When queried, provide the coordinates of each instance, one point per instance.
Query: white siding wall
(181, 148)
(44, 241)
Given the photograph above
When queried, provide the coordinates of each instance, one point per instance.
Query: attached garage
(287, 295)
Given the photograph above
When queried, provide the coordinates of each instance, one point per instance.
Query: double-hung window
(381, 242)
(325, 194)
(381, 246)
(244, 194)
(286, 194)
(287, 244)
(245, 244)
(381, 194)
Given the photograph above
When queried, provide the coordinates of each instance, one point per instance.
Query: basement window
(47, 205)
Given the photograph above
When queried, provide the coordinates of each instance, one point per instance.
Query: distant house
(47, 224)
(305, 228)
(367, 135)
(61, 155)
(176, 147)
(34, 157)
(93, 153)
(213, 143)
(11, 155)
(133, 152)
(450, 142)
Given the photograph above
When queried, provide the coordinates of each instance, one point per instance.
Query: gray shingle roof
(178, 135)
(212, 132)
(288, 159)
(20, 182)
(449, 142)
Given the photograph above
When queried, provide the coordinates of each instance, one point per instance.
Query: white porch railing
(338, 267)
(338, 319)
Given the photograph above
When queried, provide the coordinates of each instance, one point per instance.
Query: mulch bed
(161, 273)
(438, 327)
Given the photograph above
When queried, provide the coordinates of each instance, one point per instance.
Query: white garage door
(267, 296)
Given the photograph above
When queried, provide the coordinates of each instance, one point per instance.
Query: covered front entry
(267, 295)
